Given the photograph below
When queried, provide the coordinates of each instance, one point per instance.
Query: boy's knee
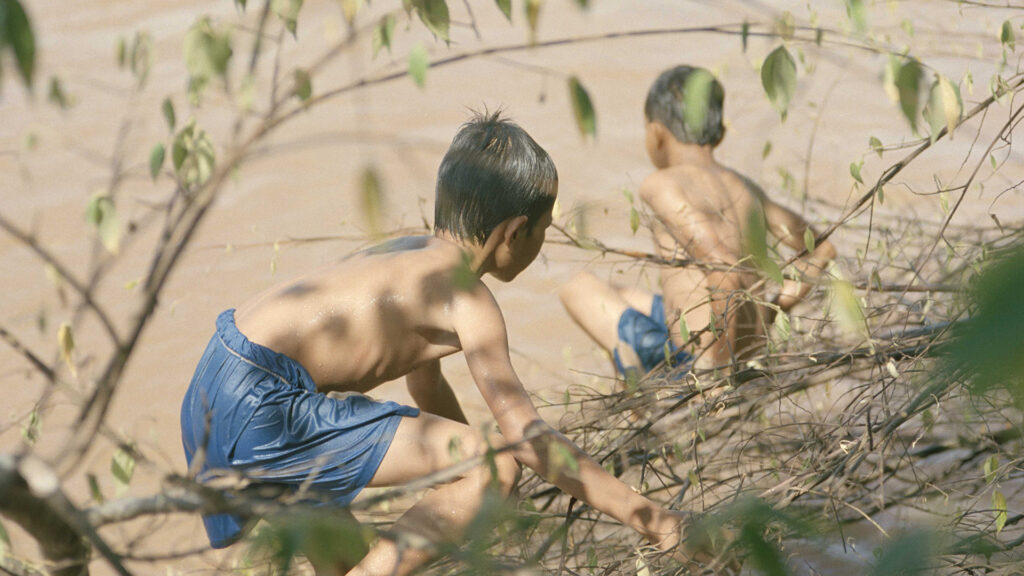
(580, 282)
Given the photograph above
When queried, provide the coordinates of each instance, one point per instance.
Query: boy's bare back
(375, 316)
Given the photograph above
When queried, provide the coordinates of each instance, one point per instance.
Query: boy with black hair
(390, 311)
(703, 211)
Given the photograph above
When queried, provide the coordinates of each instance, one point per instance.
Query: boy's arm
(432, 393)
(789, 228)
(481, 330)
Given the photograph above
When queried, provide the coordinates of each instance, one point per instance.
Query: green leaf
(383, 32)
(506, 8)
(767, 149)
(855, 171)
(94, 488)
(167, 108)
(434, 15)
(56, 96)
(102, 214)
(30, 432)
(809, 239)
(944, 107)
(990, 467)
(207, 53)
(288, 12)
(856, 11)
(634, 219)
(1007, 37)
(684, 331)
(533, 17)
(141, 57)
(848, 308)
(303, 85)
(781, 324)
(418, 64)
(371, 199)
(908, 86)
(875, 145)
(912, 553)
(156, 160)
(999, 505)
(583, 108)
(756, 244)
(778, 77)
(65, 342)
(561, 458)
(122, 52)
(745, 35)
(16, 33)
(350, 8)
(122, 466)
(696, 95)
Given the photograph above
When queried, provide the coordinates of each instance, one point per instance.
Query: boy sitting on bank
(703, 211)
(390, 311)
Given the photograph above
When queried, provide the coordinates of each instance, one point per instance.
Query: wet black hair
(689, 102)
(492, 171)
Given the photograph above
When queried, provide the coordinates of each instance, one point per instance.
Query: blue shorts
(648, 336)
(268, 423)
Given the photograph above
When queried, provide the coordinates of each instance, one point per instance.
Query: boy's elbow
(826, 251)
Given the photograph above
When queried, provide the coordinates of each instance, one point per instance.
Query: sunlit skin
(701, 212)
(396, 310)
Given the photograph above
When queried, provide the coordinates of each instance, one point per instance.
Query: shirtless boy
(390, 311)
(702, 211)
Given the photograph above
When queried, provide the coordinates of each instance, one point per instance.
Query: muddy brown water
(304, 184)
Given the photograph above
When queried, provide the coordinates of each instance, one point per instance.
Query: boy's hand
(696, 548)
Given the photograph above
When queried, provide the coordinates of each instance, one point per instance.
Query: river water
(305, 182)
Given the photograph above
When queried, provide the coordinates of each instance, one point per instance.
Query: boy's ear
(659, 132)
(516, 226)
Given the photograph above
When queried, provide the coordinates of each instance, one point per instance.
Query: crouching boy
(259, 395)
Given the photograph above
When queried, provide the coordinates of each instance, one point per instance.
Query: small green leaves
(207, 54)
(848, 308)
(418, 64)
(533, 17)
(66, 343)
(156, 160)
(778, 77)
(288, 12)
(192, 156)
(16, 34)
(696, 96)
(350, 8)
(371, 199)
(944, 107)
(856, 11)
(506, 8)
(57, 96)
(94, 488)
(561, 459)
(876, 145)
(684, 330)
(908, 87)
(141, 57)
(634, 219)
(583, 108)
(30, 431)
(1007, 37)
(809, 240)
(102, 214)
(167, 109)
(990, 467)
(782, 327)
(745, 35)
(433, 14)
(855, 171)
(303, 85)
(756, 244)
(383, 32)
(122, 466)
(999, 505)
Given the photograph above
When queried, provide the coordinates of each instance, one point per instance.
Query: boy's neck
(476, 255)
(680, 153)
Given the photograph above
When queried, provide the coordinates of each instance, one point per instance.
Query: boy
(703, 210)
(389, 311)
